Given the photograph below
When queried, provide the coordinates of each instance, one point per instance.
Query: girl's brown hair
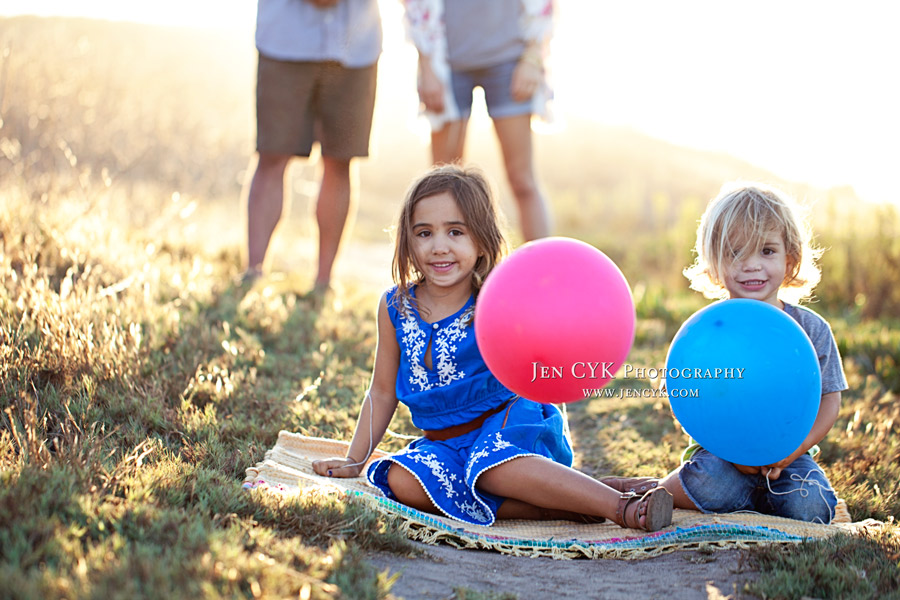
(472, 193)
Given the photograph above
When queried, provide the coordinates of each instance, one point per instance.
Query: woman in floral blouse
(499, 46)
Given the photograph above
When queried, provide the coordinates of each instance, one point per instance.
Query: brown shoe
(655, 506)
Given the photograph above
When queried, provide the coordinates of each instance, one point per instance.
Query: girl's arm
(825, 419)
(377, 408)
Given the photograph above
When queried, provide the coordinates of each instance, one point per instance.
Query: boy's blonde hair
(472, 193)
(735, 225)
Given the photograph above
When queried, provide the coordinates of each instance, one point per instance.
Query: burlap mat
(287, 469)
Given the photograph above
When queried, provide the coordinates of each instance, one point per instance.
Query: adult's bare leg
(514, 135)
(265, 203)
(448, 143)
(332, 210)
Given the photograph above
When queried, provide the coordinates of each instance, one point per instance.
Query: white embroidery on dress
(414, 339)
(475, 456)
(500, 443)
(437, 469)
(446, 351)
(473, 510)
(486, 450)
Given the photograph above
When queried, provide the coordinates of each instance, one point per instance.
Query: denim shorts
(495, 81)
(802, 491)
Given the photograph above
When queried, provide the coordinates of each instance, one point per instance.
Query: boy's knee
(808, 504)
(813, 509)
(717, 503)
(804, 493)
(715, 485)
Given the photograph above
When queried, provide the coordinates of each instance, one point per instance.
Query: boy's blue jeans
(716, 486)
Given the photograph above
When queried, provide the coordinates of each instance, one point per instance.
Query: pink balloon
(556, 318)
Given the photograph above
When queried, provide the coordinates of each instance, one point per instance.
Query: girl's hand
(337, 467)
(747, 470)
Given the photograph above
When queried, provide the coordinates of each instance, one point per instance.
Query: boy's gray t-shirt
(483, 34)
(819, 332)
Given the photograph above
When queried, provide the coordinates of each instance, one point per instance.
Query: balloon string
(371, 430)
(371, 421)
(402, 436)
(804, 492)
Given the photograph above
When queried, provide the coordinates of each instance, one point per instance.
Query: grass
(138, 382)
(856, 567)
(128, 418)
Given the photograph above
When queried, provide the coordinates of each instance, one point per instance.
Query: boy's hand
(773, 471)
(747, 470)
(337, 467)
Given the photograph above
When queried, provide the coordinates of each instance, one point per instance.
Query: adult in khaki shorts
(315, 83)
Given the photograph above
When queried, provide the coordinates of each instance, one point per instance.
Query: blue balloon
(743, 380)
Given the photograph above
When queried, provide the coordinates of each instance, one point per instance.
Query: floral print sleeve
(537, 21)
(424, 21)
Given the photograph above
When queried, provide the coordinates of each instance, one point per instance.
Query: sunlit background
(806, 89)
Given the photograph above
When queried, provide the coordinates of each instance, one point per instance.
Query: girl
(485, 453)
(752, 244)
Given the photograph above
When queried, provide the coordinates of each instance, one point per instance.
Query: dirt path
(688, 575)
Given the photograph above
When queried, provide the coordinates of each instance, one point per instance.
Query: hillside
(162, 117)
(89, 84)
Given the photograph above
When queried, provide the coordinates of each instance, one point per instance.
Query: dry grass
(137, 382)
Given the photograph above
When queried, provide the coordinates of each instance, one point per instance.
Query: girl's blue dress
(457, 389)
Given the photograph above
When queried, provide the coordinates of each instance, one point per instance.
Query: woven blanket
(287, 469)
